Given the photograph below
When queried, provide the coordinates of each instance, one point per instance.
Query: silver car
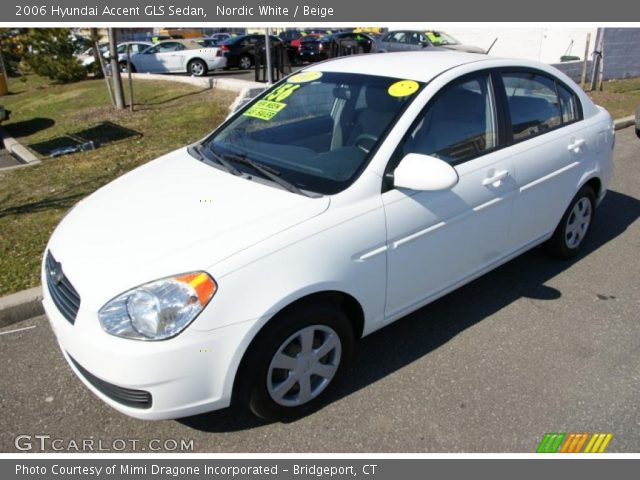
(404, 40)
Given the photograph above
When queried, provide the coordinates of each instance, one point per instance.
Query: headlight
(159, 309)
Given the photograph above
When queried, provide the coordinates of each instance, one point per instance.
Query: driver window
(460, 124)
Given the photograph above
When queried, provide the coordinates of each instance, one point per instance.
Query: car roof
(420, 66)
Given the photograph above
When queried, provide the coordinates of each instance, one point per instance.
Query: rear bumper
(217, 63)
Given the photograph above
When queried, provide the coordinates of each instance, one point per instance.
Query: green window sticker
(264, 109)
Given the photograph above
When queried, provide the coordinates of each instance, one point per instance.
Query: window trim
(498, 104)
(501, 71)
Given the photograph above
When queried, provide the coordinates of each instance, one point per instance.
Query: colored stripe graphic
(573, 442)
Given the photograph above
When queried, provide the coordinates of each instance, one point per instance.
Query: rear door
(550, 142)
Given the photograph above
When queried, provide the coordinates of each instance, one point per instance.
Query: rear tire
(123, 67)
(295, 360)
(244, 63)
(574, 227)
(197, 68)
(638, 132)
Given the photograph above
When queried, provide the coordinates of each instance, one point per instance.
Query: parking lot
(536, 346)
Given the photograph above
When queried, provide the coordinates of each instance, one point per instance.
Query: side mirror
(423, 172)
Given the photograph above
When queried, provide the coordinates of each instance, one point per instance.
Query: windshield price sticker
(403, 88)
(264, 109)
(304, 77)
(433, 37)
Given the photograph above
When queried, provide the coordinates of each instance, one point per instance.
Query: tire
(245, 62)
(123, 67)
(197, 68)
(638, 132)
(272, 374)
(574, 227)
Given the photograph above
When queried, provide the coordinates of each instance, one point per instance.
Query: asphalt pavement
(536, 346)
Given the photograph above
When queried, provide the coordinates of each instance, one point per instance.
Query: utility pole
(118, 91)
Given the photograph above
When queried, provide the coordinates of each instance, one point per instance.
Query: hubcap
(304, 365)
(245, 63)
(197, 69)
(578, 223)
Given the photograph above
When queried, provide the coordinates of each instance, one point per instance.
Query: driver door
(438, 239)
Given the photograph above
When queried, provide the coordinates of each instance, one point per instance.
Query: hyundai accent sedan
(244, 267)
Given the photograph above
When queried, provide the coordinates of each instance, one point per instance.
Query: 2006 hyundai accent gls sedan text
(244, 267)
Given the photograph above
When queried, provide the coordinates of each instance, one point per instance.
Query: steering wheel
(365, 141)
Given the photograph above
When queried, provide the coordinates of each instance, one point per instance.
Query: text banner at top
(21, 12)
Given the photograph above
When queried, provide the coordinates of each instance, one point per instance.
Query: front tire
(295, 361)
(576, 222)
(197, 68)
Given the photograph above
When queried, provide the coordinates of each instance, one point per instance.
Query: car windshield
(316, 129)
(441, 38)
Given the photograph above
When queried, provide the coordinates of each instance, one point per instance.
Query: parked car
(178, 56)
(133, 47)
(240, 51)
(406, 40)
(86, 56)
(321, 48)
(245, 266)
(638, 121)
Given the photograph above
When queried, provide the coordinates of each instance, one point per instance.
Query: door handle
(575, 145)
(496, 178)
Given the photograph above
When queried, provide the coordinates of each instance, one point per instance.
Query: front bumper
(189, 374)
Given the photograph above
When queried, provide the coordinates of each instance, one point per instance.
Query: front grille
(125, 396)
(62, 293)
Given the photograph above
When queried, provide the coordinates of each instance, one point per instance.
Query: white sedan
(245, 266)
(178, 56)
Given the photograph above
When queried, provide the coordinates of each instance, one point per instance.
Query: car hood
(172, 215)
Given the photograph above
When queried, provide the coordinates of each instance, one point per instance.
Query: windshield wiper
(267, 172)
(217, 158)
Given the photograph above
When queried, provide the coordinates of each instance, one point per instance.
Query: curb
(16, 148)
(28, 303)
(231, 84)
(20, 306)
(624, 122)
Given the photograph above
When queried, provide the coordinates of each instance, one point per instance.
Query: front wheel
(575, 224)
(295, 361)
(197, 68)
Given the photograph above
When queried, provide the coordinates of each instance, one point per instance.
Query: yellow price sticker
(304, 77)
(264, 110)
(403, 88)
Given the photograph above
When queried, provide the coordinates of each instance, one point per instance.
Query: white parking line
(18, 330)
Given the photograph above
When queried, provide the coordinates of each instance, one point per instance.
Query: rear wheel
(245, 62)
(124, 69)
(295, 361)
(197, 68)
(575, 224)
